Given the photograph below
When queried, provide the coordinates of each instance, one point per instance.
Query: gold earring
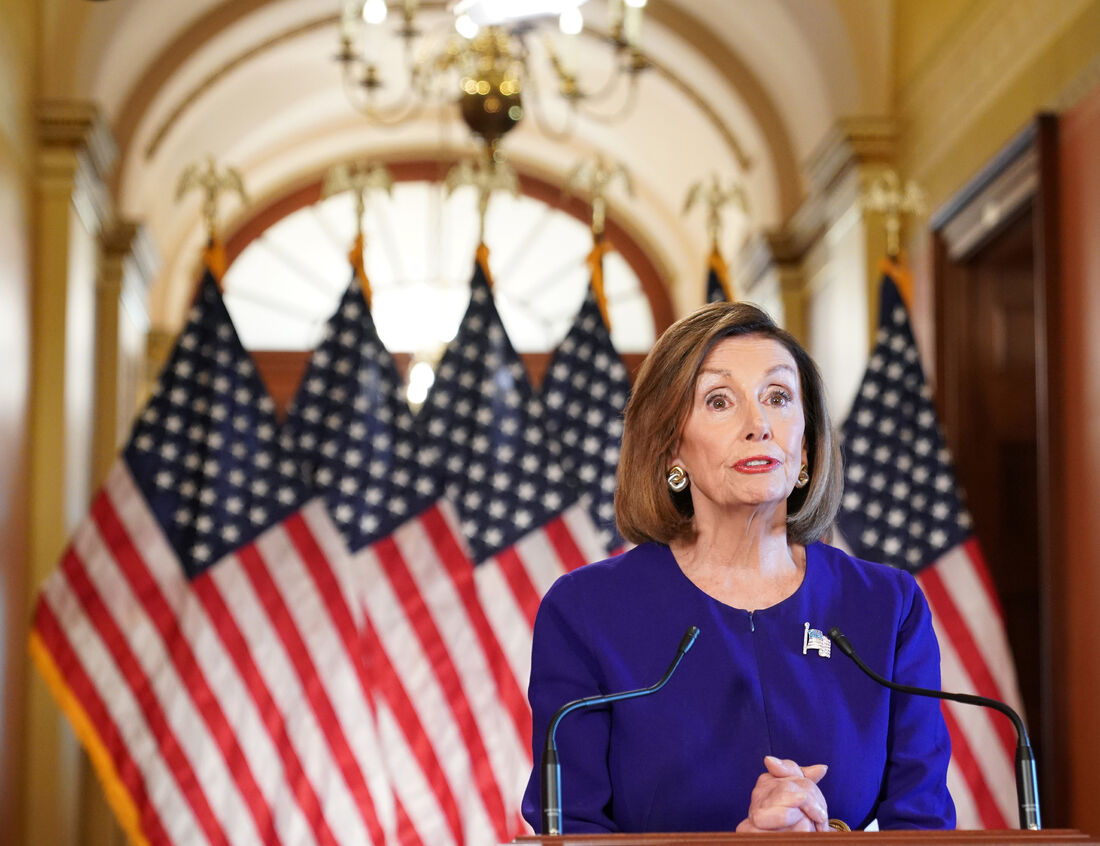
(803, 477)
(677, 478)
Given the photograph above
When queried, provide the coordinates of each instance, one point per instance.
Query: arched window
(289, 266)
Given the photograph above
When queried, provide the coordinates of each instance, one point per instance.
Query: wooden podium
(836, 838)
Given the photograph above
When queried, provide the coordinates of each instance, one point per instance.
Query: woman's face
(743, 444)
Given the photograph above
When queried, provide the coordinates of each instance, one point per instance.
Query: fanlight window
(420, 247)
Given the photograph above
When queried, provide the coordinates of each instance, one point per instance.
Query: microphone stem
(1027, 781)
(551, 769)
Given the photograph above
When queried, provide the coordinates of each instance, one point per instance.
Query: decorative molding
(851, 142)
(129, 265)
(763, 252)
(76, 154)
(853, 148)
(79, 126)
(974, 64)
(992, 200)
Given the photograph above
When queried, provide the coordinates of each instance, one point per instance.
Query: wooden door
(993, 286)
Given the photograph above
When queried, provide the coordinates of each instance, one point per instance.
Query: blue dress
(687, 757)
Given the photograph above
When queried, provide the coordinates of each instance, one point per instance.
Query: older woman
(729, 479)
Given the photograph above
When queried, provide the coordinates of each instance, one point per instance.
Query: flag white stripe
(210, 653)
(328, 538)
(976, 722)
(411, 786)
(540, 562)
(506, 619)
(968, 591)
(399, 639)
(266, 647)
(442, 597)
(584, 532)
(966, 811)
(338, 676)
(187, 726)
(162, 790)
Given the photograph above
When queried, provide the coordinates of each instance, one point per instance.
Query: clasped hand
(787, 798)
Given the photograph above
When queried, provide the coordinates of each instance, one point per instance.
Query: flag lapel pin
(815, 639)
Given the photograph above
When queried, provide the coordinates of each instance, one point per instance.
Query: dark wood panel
(997, 378)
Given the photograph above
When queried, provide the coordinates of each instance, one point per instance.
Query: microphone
(1027, 787)
(551, 769)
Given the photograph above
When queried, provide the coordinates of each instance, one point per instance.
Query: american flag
(434, 696)
(585, 393)
(201, 632)
(903, 506)
(417, 505)
(482, 425)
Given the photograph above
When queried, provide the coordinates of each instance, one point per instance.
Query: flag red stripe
(973, 550)
(519, 583)
(963, 756)
(423, 624)
(147, 591)
(283, 621)
(406, 831)
(569, 553)
(82, 687)
(971, 657)
(237, 647)
(329, 589)
(460, 568)
(191, 787)
(388, 685)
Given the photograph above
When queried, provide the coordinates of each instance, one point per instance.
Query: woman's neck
(742, 560)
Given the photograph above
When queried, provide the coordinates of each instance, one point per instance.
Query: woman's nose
(756, 427)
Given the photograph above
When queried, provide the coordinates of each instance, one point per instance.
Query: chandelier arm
(620, 114)
(389, 115)
(544, 126)
(612, 84)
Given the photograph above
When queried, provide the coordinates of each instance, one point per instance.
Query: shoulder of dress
(875, 575)
(624, 567)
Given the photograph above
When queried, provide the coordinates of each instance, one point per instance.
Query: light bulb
(571, 22)
(374, 11)
(466, 26)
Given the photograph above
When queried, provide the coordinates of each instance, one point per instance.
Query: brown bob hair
(645, 508)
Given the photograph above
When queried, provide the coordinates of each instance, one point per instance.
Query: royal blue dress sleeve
(563, 668)
(914, 787)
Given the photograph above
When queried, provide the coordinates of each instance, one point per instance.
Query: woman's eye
(779, 398)
(717, 401)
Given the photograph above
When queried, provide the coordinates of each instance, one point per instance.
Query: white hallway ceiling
(741, 88)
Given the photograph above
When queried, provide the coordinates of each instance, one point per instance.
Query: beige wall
(972, 73)
(17, 37)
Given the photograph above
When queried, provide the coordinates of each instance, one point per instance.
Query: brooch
(815, 639)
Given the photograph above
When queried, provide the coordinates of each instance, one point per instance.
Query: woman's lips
(756, 464)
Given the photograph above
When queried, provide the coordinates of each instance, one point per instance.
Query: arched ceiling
(741, 88)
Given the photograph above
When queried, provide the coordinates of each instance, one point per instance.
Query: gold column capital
(851, 142)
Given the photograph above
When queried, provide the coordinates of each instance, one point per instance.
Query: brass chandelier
(487, 57)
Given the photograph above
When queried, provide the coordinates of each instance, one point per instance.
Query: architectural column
(823, 264)
(126, 269)
(75, 151)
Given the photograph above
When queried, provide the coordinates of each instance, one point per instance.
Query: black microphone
(1027, 782)
(551, 769)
